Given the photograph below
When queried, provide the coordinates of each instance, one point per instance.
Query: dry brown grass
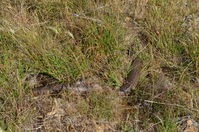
(82, 40)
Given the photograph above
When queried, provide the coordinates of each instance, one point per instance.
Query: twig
(15, 29)
(38, 24)
(36, 128)
(83, 14)
(152, 126)
(176, 105)
(88, 18)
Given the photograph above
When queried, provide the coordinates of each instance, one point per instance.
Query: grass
(71, 40)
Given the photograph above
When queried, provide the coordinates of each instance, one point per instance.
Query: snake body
(54, 88)
(133, 76)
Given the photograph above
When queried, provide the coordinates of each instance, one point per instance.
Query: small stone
(186, 124)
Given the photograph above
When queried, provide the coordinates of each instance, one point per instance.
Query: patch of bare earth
(70, 109)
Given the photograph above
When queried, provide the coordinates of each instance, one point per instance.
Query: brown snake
(133, 76)
(129, 84)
